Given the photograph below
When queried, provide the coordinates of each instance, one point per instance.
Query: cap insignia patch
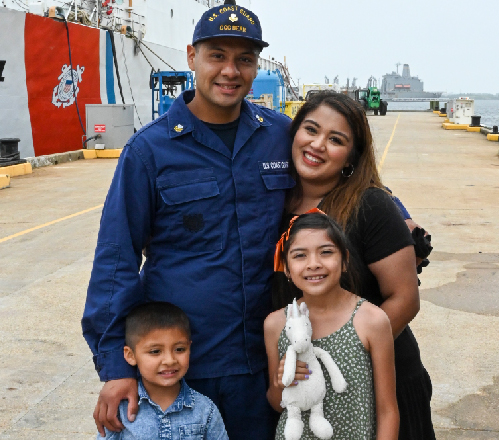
(233, 18)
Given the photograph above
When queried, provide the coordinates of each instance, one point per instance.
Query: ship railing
(135, 23)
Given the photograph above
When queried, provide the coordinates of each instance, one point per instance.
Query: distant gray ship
(395, 86)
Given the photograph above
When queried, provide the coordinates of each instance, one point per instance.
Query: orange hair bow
(279, 248)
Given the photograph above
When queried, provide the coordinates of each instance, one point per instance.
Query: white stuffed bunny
(308, 394)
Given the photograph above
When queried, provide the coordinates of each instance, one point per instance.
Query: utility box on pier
(113, 122)
(462, 109)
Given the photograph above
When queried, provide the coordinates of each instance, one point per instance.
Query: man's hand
(106, 410)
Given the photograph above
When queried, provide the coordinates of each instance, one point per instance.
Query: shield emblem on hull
(63, 92)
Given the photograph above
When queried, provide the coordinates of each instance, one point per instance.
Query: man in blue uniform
(201, 189)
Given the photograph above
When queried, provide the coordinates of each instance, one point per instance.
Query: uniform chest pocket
(190, 210)
(277, 184)
(192, 432)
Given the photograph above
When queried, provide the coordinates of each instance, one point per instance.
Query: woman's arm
(398, 283)
(383, 360)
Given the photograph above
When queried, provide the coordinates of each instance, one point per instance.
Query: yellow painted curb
(446, 120)
(436, 111)
(451, 126)
(89, 154)
(109, 153)
(475, 129)
(4, 181)
(17, 170)
(104, 154)
(493, 137)
(442, 115)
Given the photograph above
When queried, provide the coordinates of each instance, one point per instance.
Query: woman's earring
(347, 171)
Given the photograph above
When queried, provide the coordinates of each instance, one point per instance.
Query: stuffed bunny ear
(296, 312)
(304, 309)
(289, 313)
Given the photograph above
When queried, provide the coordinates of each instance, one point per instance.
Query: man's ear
(129, 356)
(191, 55)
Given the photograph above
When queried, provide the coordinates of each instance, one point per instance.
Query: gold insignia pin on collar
(233, 18)
(178, 128)
(259, 118)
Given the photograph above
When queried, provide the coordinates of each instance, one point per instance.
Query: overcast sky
(452, 46)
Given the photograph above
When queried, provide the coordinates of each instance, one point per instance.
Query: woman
(335, 169)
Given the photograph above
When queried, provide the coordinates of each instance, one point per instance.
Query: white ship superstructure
(115, 44)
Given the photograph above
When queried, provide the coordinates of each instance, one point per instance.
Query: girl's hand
(302, 373)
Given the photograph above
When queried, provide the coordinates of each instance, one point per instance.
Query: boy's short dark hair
(151, 316)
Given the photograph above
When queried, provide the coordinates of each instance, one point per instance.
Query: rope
(22, 5)
(129, 85)
(145, 57)
(113, 47)
(72, 78)
(139, 42)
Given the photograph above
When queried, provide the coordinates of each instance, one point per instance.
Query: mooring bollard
(494, 130)
(9, 152)
(475, 121)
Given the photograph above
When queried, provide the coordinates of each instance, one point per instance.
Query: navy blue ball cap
(229, 20)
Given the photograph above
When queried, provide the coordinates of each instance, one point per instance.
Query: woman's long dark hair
(342, 202)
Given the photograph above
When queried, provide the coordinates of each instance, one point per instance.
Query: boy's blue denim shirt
(192, 416)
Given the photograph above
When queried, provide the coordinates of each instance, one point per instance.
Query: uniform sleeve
(381, 226)
(401, 207)
(215, 429)
(115, 286)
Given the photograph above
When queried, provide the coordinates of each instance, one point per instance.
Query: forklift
(370, 99)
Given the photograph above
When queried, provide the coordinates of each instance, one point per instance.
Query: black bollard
(494, 130)
(9, 152)
(475, 121)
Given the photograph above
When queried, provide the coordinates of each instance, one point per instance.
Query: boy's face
(162, 357)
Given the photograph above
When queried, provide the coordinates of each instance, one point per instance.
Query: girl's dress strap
(359, 302)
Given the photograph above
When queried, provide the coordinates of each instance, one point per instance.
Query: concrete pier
(448, 180)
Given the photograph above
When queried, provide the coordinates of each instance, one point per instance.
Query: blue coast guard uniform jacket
(208, 219)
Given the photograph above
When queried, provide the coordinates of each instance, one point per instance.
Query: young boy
(158, 341)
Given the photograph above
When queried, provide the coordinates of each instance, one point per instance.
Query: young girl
(356, 334)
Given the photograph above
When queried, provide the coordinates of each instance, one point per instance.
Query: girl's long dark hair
(343, 202)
